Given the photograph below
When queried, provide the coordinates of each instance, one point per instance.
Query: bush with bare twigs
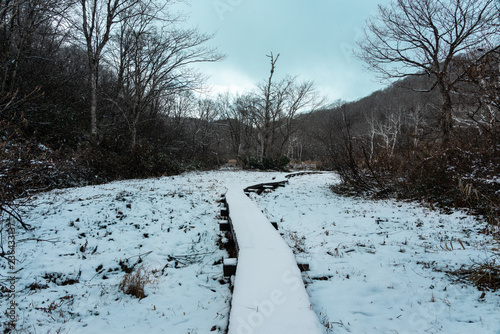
(134, 282)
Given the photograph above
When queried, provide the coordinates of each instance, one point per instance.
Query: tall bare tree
(423, 37)
(278, 104)
(205, 135)
(226, 106)
(155, 60)
(95, 21)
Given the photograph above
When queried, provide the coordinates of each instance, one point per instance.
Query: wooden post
(229, 266)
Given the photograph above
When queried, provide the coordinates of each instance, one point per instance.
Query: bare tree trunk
(446, 120)
(93, 104)
(98, 19)
(133, 140)
(266, 136)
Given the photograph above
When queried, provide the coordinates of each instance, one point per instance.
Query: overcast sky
(314, 39)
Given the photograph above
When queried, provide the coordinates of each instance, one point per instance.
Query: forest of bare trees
(93, 91)
(96, 90)
(263, 124)
(432, 134)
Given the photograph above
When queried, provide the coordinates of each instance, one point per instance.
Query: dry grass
(485, 205)
(297, 242)
(133, 283)
(485, 276)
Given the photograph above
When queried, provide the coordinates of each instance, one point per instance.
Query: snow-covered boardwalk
(269, 295)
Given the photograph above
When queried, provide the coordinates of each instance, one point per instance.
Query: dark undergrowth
(463, 176)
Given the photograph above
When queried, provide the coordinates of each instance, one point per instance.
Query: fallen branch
(140, 255)
(15, 215)
(39, 240)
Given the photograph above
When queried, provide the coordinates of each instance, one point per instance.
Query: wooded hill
(84, 106)
(390, 143)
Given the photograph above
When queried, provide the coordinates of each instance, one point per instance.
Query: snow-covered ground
(377, 266)
(374, 265)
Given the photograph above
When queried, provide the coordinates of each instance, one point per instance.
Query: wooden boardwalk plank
(269, 295)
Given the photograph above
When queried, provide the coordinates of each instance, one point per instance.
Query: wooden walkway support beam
(269, 295)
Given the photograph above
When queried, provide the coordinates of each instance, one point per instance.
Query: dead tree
(278, 104)
(423, 37)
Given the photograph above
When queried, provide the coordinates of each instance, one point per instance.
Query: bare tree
(227, 110)
(205, 135)
(95, 20)
(19, 22)
(238, 114)
(277, 107)
(423, 37)
(262, 123)
(371, 119)
(154, 62)
(483, 77)
(343, 149)
(177, 111)
(389, 129)
(415, 121)
(266, 113)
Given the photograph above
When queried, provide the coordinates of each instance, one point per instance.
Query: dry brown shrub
(133, 283)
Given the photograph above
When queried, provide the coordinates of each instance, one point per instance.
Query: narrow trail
(269, 295)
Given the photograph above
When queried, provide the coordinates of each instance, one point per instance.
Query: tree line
(98, 90)
(434, 132)
(95, 90)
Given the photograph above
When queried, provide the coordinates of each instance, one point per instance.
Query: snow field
(70, 266)
(380, 266)
(376, 267)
